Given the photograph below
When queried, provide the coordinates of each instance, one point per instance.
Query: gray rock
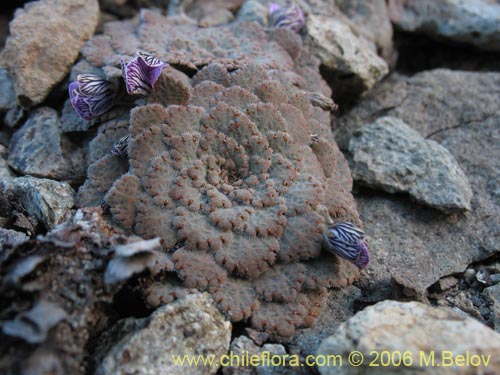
(48, 200)
(11, 237)
(391, 156)
(8, 97)
(50, 33)
(242, 345)
(39, 149)
(253, 10)
(470, 275)
(14, 116)
(493, 292)
(419, 331)
(6, 174)
(350, 62)
(411, 243)
(190, 326)
(470, 21)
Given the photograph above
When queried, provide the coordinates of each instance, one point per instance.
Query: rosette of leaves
(231, 163)
(233, 186)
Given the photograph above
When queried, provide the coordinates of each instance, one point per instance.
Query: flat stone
(40, 149)
(469, 21)
(391, 156)
(351, 64)
(411, 243)
(49, 201)
(190, 326)
(50, 33)
(418, 330)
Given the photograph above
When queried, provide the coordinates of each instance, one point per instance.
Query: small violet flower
(291, 17)
(141, 73)
(91, 96)
(347, 241)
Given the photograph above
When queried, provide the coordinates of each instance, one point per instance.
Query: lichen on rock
(222, 167)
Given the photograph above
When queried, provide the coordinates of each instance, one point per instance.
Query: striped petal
(141, 73)
(120, 148)
(291, 17)
(91, 96)
(347, 241)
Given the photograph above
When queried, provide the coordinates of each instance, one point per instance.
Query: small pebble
(469, 275)
(483, 276)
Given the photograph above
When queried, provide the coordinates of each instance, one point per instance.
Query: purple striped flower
(91, 96)
(120, 148)
(348, 241)
(291, 17)
(141, 73)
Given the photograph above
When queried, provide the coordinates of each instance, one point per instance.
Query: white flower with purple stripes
(91, 95)
(141, 73)
(348, 241)
(291, 17)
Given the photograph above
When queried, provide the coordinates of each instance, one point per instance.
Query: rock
(391, 156)
(242, 345)
(419, 331)
(6, 174)
(50, 32)
(493, 292)
(470, 275)
(11, 237)
(463, 302)
(350, 63)
(191, 326)
(39, 149)
(483, 276)
(8, 97)
(13, 215)
(446, 283)
(474, 21)
(48, 200)
(14, 116)
(253, 10)
(372, 21)
(417, 244)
